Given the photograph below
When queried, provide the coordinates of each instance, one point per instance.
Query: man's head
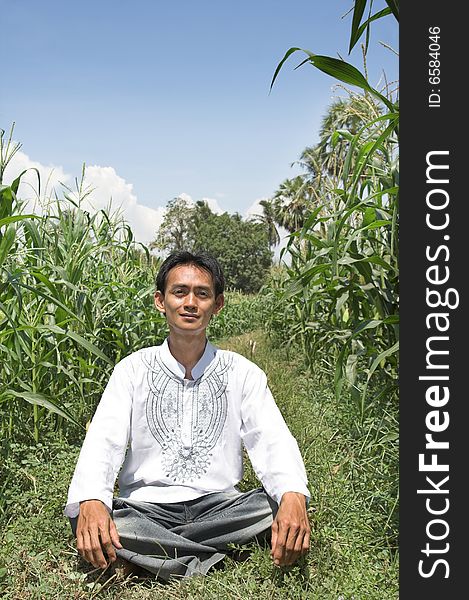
(189, 291)
(201, 260)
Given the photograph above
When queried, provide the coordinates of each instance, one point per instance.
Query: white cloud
(109, 190)
(214, 206)
(108, 187)
(50, 178)
(255, 209)
(187, 198)
(212, 203)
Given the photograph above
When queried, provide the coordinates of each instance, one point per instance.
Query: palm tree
(268, 219)
(291, 203)
(349, 115)
(324, 162)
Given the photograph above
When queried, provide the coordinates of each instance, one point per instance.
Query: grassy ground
(350, 557)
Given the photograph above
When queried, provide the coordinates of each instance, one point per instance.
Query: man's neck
(187, 350)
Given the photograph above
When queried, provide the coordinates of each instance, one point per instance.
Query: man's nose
(191, 301)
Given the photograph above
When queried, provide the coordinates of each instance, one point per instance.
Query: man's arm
(290, 530)
(96, 534)
(103, 451)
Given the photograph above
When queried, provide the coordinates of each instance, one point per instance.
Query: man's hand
(96, 532)
(290, 530)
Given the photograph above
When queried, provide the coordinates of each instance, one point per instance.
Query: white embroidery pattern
(183, 459)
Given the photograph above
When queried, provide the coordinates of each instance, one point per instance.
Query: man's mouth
(190, 315)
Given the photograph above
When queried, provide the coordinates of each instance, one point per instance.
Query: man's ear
(219, 303)
(159, 302)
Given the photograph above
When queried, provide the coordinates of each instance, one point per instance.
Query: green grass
(352, 556)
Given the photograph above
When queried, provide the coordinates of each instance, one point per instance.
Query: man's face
(189, 300)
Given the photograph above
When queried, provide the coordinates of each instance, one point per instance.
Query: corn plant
(342, 278)
(75, 297)
(241, 313)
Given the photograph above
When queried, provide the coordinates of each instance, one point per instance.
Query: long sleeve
(105, 444)
(272, 449)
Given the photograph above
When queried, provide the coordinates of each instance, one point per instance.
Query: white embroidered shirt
(171, 439)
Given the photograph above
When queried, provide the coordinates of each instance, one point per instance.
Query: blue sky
(173, 97)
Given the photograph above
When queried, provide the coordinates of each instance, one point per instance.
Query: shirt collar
(179, 370)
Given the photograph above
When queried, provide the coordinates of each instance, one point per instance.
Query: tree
(291, 203)
(344, 115)
(268, 219)
(242, 247)
(201, 212)
(347, 121)
(175, 232)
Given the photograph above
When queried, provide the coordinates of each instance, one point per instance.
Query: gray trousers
(187, 538)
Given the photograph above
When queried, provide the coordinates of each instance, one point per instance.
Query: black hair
(203, 260)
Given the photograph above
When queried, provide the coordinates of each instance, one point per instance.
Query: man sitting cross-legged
(172, 423)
